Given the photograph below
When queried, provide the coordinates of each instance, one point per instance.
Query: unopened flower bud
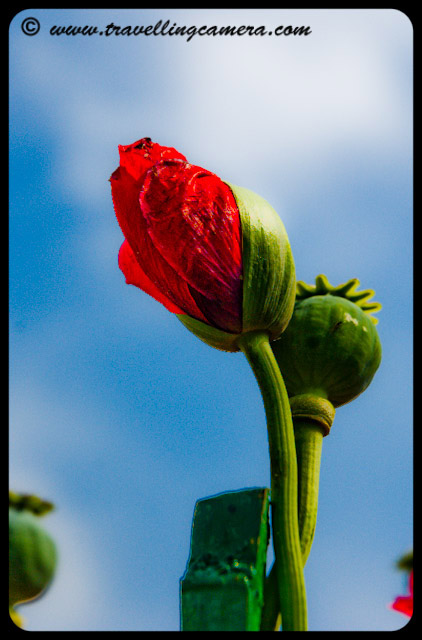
(215, 254)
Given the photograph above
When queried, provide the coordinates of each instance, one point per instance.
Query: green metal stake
(222, 588)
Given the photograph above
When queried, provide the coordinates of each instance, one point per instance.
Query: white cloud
(293, 101)
(302, 100)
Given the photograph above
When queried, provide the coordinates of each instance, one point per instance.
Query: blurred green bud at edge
(32, 552)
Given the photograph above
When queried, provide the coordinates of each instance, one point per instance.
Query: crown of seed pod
(32, 552)
(215, 254)
(331, 349)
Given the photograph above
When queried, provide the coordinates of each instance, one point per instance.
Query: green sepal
(269, 282)
(211, 335)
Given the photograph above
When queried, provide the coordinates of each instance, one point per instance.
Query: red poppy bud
(185, 240)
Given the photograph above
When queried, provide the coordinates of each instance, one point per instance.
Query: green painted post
(222, 588)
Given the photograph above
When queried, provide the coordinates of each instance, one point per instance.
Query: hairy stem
(284, 484)
(308, 437)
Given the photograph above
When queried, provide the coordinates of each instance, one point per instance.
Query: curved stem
(308, 438)
(284, 495)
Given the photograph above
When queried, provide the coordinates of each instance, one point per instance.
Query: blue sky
(117, 413)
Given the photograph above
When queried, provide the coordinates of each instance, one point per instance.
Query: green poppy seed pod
(331, 349)
(268, 275)
(32, 552)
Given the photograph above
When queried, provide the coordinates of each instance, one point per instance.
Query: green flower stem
(308, 438)
(284, 485)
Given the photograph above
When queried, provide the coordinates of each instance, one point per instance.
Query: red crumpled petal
(134, 275)
(193, 220)
(182, 227)
(404, 604)
(125, 193)
(141, 155)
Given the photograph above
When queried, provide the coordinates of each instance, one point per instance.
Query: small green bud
(331, 348)
(32, 552)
